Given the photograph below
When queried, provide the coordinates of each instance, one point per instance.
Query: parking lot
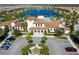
(7, 43)
(56, 46)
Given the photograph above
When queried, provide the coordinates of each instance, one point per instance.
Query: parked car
(4, 47)
(7, 43)
(3, 36)
(75, 39)
(11, 38)
(70, 49)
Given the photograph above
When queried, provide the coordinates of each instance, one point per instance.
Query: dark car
(70, 49)
(3, 36)
(11, 38)
(6, 44)
(4, 47)
(75, 39)
(7, 40)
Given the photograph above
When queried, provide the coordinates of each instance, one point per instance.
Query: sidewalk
(37, 36)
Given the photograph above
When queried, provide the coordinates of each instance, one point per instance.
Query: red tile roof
(53, 24)
(8, 23)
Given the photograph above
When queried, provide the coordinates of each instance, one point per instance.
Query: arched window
(41, 31)
(45, 31)
(34, 31)
(38, 31)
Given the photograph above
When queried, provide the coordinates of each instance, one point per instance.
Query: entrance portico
(39, 32)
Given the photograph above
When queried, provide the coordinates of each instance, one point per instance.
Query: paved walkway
(38, 34)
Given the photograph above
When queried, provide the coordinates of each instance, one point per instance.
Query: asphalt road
(56, 46)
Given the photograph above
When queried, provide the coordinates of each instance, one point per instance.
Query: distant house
(39, 25)
(13, 25)
(21, 19)
(76, 26)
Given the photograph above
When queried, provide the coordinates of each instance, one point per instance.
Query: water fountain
(35, 50)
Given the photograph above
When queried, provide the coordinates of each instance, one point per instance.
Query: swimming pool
(41, 12)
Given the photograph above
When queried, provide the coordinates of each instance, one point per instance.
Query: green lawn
(54, 34)
(50, 34)
(61, 37)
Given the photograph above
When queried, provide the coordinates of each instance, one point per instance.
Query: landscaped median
(62, 37)
(44, 50)
(26, 49)
(35, 50)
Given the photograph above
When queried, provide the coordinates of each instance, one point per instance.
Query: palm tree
(59, 32)
(73, 17)
(24, 25)
(70, 19)
(6, 29)
(44, 38)
(29, 38)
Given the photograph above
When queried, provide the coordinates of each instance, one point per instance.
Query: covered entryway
(38, 33)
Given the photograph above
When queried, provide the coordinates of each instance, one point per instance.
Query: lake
(41, 12)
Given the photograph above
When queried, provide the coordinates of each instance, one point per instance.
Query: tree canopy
(24, 24)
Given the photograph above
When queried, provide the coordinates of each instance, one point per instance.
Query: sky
(39, 1)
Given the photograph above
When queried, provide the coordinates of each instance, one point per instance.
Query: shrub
(17, 33)
(25, 50)
(44, 50)
(6, 29)
(77, 33)
(29, 38)
(44, 38)
(59, 32)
